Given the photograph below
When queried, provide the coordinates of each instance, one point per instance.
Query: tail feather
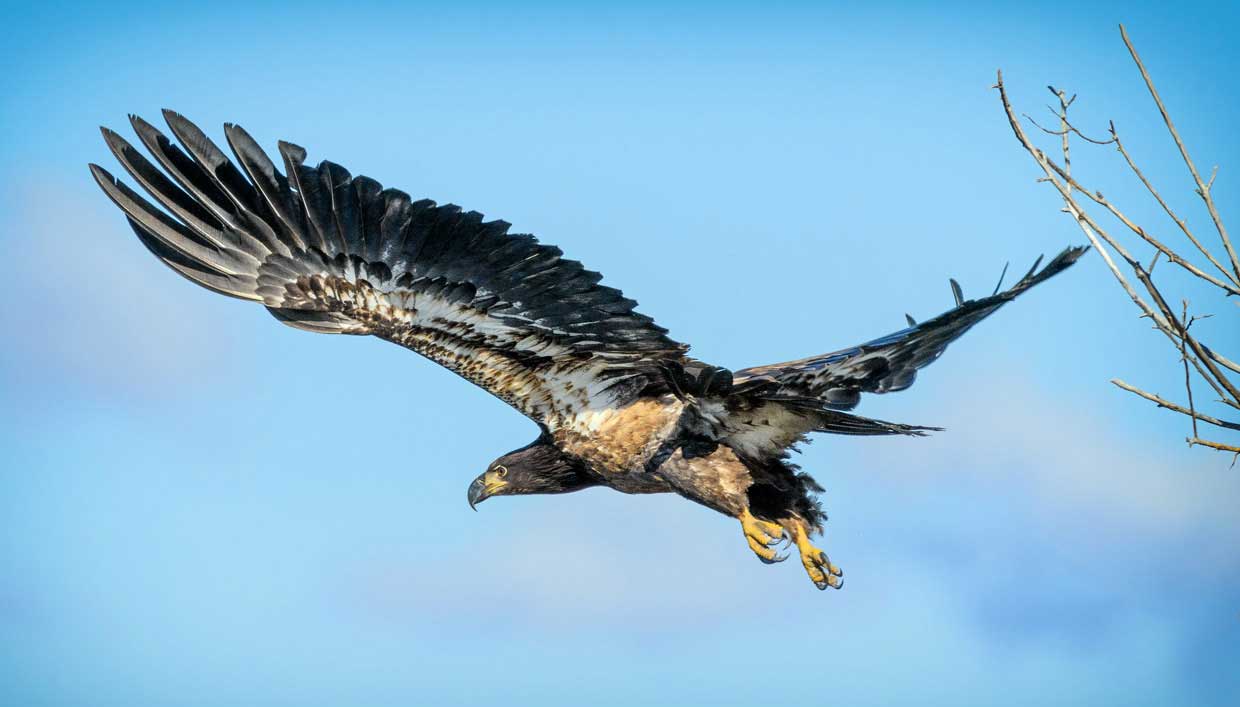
(842, 423)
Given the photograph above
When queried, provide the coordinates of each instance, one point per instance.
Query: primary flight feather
(618, 402)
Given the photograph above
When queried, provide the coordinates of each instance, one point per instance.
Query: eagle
(618, 403)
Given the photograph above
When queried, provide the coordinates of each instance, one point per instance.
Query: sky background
(201, 507)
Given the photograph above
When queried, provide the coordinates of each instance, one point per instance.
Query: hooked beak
(480, 491)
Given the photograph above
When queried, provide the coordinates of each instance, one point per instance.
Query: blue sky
(201, 507)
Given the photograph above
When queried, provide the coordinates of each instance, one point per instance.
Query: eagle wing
(835, 381)
(331, 253)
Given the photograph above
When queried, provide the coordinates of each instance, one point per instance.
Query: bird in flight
(617, 402)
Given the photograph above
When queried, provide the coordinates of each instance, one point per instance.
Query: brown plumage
(618, 402)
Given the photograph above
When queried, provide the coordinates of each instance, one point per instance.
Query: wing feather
(835, 381)
(328, 252)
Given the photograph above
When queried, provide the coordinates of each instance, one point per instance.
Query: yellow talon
(768, 555)
(762, 536)
(821, 572)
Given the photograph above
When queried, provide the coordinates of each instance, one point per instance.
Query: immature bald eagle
(618, 403)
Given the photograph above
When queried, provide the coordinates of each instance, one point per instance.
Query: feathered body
(618, 402)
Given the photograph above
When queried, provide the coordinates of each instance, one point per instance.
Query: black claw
(821, 585)
(773, 560)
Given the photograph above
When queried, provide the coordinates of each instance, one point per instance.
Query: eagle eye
(501, 471)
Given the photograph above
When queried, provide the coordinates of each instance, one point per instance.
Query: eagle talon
(763, 536)
(817, 565)
(774, 560)
(764, 552)
(826, 563)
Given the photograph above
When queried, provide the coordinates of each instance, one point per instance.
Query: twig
(1069, 129)
(1221, 359)
(1188, 381)
(1176, 326)
(1217, 445)
(1162, 403)
(1064, 135)
(1074, 209)
(1119, 145)
(1203, 189)
(1102, 201)
(1164, 319)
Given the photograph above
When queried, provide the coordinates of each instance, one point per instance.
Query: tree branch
(1163, 403)
(1102, 201)
(1119, 145)
(1164, 318)
(1193, 354)
(1216, 445)
(1203, 189)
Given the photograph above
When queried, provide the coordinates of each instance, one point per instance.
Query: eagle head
(538, 467)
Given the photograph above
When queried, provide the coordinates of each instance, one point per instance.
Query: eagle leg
(821, 572)
(763, 537)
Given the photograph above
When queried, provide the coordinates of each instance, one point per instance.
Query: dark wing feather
(328, 252)
(836, 380)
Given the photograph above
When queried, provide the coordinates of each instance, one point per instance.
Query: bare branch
(1220, 358)
(1163, 403)
(1069, 129)
(1102, 201)
(1175, 325)
(1203, 190)
(1074, 209)
(1163, 318)
(1066, 134)
(1188, 380)
(1217, 445)
(1119, 145)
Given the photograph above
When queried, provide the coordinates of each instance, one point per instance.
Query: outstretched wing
(836, 380)
(332, 253)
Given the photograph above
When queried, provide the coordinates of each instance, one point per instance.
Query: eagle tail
(842, 423)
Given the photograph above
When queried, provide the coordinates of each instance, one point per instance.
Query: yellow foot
(817, 564)
(762, 537)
